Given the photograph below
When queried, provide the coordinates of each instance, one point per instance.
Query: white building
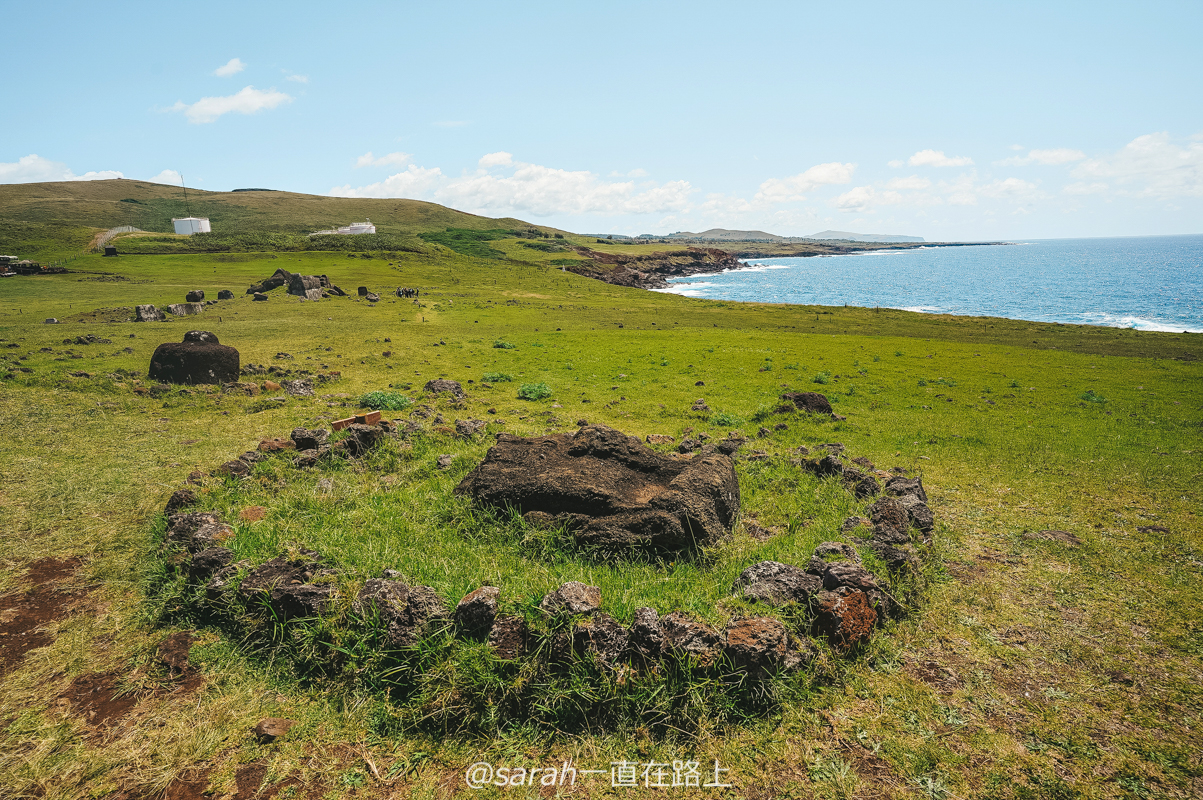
(186, 226)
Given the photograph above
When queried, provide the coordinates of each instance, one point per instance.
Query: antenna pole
(187, 206)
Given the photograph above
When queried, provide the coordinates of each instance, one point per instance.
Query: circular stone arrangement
(610, 491)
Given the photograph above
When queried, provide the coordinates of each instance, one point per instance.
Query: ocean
(1152, 283)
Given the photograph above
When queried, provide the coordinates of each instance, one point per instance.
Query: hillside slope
(47, 217)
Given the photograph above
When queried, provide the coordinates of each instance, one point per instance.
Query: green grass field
(1028, 668)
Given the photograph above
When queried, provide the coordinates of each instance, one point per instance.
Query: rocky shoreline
(652, 270)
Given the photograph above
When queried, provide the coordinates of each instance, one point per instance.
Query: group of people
(403, 292)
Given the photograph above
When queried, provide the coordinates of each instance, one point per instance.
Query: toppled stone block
(610, 489)
(186, 309)
(195, 361)
(810, 402)
(443, 386)
(148, 313)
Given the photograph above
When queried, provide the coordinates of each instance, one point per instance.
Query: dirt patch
(119, 314)
(24, 617)
(96, 696)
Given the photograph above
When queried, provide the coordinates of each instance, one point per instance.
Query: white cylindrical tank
(186, 226)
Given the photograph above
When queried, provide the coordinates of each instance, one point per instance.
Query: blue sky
(951, 121)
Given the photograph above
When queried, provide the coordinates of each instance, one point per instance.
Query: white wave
(1138, 323)
(922, 309)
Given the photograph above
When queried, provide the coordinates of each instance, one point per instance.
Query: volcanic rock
(776, 584)
(225, 294)
(195, 296)
(283, 585)
(508, 637)
(405, 611)
(572, 598)
(178, 500)
(279, 278)
(611, 490)
(761, 646)
(646, 635)
(686, 636)
(477, 611)
(602, 637)
(810, 402)
(441, 385)
(148, 313)
(309, 439)
(194, 361)
(845, 616)
(186, 309)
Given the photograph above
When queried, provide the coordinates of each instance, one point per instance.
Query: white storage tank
(186, 226)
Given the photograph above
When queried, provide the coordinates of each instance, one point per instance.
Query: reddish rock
(572, 598)
(686, 636)
(276, 445)
(844, 616)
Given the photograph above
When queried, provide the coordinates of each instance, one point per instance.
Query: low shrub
(385, 401)
(500, 345)
(822, 377)
(497, 377)
(534, 391)
(725, 420)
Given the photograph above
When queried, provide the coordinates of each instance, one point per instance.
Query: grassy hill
(1033, 665)
(45, 220)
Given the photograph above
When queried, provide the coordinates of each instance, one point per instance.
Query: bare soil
(25, 616)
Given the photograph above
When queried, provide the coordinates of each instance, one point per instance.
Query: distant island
(726, 235)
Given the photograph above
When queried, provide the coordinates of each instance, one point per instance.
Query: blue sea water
(1150, 282)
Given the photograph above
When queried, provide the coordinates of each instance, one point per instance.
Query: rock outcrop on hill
(651, 271)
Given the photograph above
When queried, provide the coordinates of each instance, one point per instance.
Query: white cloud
(635, 173)
(936, 158)
(1082, 187)
(231, 67)
(896, 163)
(1149, 166)
(168, 176)
(1017, 147)
(864, 198)
(1054, 157)
(504, 185)
(913, 182)
(412, 183)
(1008, 187)
(499, 159)
(781, 190)
(247, 101)
(296, 78)
(391, 159)
(35, 169)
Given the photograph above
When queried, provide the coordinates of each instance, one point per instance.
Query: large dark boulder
(612, 491)
(197, 359)
(195, 296)
(281, 277)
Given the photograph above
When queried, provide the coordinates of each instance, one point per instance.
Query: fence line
(108, 235)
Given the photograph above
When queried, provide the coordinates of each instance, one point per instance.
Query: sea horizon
(1152, 283)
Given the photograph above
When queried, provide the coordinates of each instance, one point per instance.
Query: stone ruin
(200, 358)
(611, 492)
(311, 287)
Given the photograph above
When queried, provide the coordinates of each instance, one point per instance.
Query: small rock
(508, 637)
(844, 616)
(302, 387)
(443, 461)
(572, 598)
(700, 405)
(272, 728)
(646, 636)
(309, 439)
(179, 500)
(467, 428)
(476, 613)
(659, 438)
(686, 636)
(602, 637)
(776, 584)
(440, 386)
